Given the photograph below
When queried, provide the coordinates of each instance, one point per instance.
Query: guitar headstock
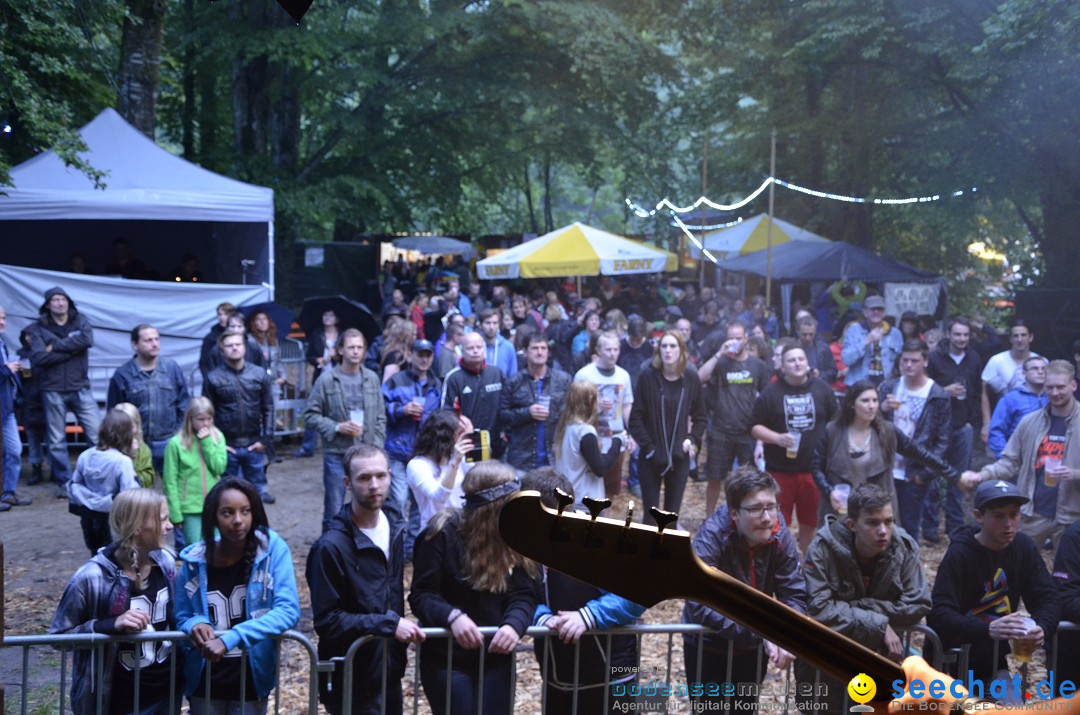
(641, 563)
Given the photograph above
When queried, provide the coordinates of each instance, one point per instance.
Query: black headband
(487, 496)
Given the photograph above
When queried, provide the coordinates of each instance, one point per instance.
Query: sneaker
(4, 507)
(268, 498)
(13, 499)
(303, 453)
(35, 475)
(61, 491)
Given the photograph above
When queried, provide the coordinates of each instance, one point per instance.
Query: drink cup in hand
(793, 450)
(1023, 647)
(544, 402)
(356, 416)
(1050, 466)
(840, 494)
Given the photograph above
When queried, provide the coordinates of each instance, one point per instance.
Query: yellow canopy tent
(576, 250)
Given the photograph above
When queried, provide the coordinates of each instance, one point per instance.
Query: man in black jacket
(1067, 579)
(59, 343)
(532, 402)
(474, 389)
(355, 572)
(958, 369)
(818, 355)
(982, 579)
(244, 411)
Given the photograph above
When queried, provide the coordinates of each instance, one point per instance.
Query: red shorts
(798, 491)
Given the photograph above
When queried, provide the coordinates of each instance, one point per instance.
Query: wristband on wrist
(454, 615)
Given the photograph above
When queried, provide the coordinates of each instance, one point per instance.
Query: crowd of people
(835, 449)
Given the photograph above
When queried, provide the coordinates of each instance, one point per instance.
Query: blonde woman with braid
(465, 577)
(127, 587)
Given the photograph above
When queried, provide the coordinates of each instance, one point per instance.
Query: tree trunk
(549, 220)
(1061, 216)
(529, 201)
(251, 99)
(140, 62)
(187, 118)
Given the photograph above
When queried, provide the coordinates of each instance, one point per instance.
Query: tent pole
(270, 242)
(768, 244)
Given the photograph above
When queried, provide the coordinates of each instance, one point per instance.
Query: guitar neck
(832, 652)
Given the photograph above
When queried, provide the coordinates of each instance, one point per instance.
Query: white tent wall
(182, 313)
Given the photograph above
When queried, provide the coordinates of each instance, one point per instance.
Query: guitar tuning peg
(662, 518)
(629, 515)
(595, 506)
(563, 499)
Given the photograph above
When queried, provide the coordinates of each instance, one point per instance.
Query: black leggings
(95, 530)
(674, 483)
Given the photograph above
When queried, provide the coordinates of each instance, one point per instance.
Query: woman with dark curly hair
(435, 472)
(464, 577)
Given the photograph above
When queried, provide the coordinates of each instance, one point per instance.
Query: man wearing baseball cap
(410, 395)
(870, 345)
(986, 573)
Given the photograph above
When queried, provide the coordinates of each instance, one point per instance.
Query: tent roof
(142, 181)
(434, 245)
(805, 261)
(576, 250)
(752, 235)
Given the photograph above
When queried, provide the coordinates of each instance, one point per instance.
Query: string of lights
(693, 239)
(666, 204)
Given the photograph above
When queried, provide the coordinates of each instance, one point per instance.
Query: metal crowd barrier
(649, 669)
(289, 403)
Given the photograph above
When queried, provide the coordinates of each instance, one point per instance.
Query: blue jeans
(958, 456)
(310, 440)
(249, 465)
(81, 403)
(333, 471)
(397, 501)
(912, 497)
(465, 686)
(12, 452)
(157, 454)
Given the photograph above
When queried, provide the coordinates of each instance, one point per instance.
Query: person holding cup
(530, 406)
(341, 396)
(1044, 456)
(987, 572)
(789, 417)
(860, 447)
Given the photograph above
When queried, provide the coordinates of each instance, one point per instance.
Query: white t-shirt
(425, 480)
(1002, 373)
(906, 416)
(572, 465)
(380, 535)
(616, 388)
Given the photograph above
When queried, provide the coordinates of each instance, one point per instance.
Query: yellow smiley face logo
(862, 688)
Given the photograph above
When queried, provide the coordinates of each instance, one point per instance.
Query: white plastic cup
(1048, 464)
(793, 451)
(356, 415)
(842, 491)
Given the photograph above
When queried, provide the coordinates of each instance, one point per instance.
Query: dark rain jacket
(518, 395)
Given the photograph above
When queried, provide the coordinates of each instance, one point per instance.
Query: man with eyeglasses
(1043, 458)
(748, 539)
(1017, 403)
(871, 346)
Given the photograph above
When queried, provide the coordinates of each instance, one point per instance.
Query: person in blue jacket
(570, 607)
(245, 581)
(1016, 403)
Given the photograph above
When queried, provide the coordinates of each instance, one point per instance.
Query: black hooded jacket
(356, 591)
(65, 367)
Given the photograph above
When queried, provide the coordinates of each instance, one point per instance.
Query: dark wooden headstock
(648, 565)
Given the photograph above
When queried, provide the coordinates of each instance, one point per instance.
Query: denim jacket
(161, 396)
(271, 608)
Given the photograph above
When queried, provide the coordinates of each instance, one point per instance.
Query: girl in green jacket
(144, 461)
(195, 459)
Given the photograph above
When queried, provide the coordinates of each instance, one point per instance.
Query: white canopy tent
(163, 205)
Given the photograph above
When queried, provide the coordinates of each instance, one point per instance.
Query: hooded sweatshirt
(976, 585)
(98, 593)
(271, 607)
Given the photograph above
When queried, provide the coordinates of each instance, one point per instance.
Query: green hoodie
(189, 474)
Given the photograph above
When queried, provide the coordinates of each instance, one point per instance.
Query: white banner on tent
(182, 313)
(922, 298)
